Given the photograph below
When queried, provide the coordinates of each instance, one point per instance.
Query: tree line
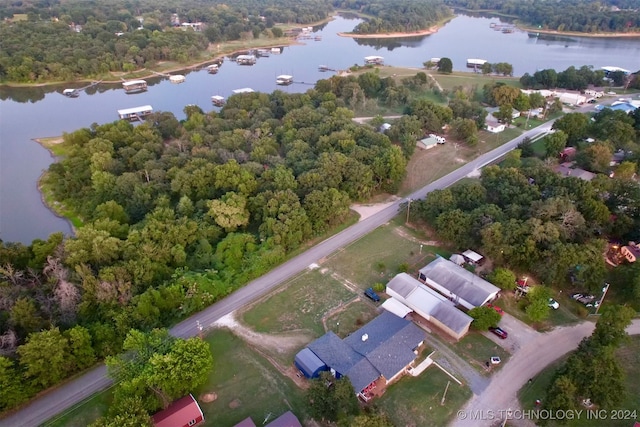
(397, 16)
(585, 16)
(116, 36)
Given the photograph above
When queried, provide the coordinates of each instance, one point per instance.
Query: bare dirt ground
(267, 344)
(367, 209)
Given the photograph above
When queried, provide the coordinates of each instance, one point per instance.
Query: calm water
(37, 112)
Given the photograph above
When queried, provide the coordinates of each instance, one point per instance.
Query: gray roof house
(384, 347)
(458, 284)
(429, 304)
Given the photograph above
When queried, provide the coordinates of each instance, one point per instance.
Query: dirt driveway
(519, 334)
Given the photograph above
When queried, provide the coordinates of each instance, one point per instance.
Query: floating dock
(134, 86)
(213, 68)
(374, 60)
(218, 100)
(246, 59)
(178, 78)
(135, 113)
(284, 80)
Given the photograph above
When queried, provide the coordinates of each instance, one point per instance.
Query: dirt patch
(208, 397)
(400, 232)
(235, 403)
(366, 210)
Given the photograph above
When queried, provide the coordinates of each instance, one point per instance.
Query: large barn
(424, 301)
(457, 284)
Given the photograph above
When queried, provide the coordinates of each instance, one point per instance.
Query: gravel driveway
(519, 334)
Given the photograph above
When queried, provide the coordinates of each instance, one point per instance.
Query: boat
(213, 68)
(71, 93)
(177, 78)
(218, 100)
(323, 68)
(284, 80)
(473, 62)
(374, 60)
(243, 90)
(134, 86)
(263, 52)
(135, 113)
(246, 59)
(276, 50)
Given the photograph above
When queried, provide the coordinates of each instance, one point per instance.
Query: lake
(30, 113)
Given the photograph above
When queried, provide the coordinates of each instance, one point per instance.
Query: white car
(553, 304)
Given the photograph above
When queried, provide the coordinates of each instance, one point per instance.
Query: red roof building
(184, 412)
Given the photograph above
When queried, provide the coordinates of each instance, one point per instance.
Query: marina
(135, 113)
(284, 80)
(135, 86)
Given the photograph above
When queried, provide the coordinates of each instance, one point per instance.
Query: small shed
(472, 257)
(184, 412)
(427, 143)
(457, 258)
(309, 364)
(396, 307)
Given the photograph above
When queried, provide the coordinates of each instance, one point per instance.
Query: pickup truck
(370, 293)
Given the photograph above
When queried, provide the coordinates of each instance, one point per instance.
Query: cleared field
(246, 385)
(470, 80)
(300, 305)
(416, 401)
(377, 256)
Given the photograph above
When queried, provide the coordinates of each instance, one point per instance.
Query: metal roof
(135, 109)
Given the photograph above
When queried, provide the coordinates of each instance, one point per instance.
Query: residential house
(428, 304)
(569, 169)
(459, 285)
(184, 412)
(494, 126)
(383, 348)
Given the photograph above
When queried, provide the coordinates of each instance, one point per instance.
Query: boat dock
(246, 59)
(218, 100)
(374, 60)
(325, 68)
(243, 90)
(74, 93)
(213, 68)
(284, 80)
(135, 113)
(177, 78)
(134, 86)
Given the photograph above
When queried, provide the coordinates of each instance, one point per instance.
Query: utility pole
(408, 209)
(604, 293)
(445, 393)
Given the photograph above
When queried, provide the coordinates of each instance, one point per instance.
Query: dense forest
(177, 215)
(397, 16)
(79, 39)
(585, 16)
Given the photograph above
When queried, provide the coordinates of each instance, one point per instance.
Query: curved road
(43, 408)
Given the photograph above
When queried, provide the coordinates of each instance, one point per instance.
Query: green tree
(45, 357)
(538, 306)
(574, 125)
(81, 352)
(503, 278)
(595, 157)
(230, 211)
(484, 317)
(12, 389)
(554, 143)
(330, 399)
(445, 66)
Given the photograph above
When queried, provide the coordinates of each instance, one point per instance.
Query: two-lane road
(69, 394)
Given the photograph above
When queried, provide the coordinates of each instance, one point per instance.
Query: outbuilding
(309, 364)
(184, 412)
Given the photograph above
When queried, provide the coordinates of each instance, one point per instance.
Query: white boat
(213, 68)
(276, 50)
(246, 59)
(71, 93)
(178, 78)
(134, 86)
(218, 100)
(284, 80)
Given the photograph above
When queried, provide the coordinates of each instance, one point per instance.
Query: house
(631, 252)
(568, 169)
(428, 304)
(494, 126)
(457, 284)
(184, 412)
(288, 419)
(427, 143)
(383, 348)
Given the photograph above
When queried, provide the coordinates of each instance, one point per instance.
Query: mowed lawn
(470, 80)
(416, 401)
(299, 305)
(84, 413)
(246, 385)
(629, 358)
(377, 256)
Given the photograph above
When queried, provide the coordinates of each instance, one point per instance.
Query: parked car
(499, 332)
(370, 293)
(553, 304)
(496, 308)
(576, 296)
(586, 299)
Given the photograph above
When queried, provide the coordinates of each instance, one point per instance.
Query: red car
(499, 332)
(496, 308)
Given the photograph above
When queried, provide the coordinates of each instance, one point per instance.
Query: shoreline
(424, 32)
(578, 34)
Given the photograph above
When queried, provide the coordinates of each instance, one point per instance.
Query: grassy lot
(470, 80)
(83, 413)
(477, 349)
(569, 312)
(312, 294)
(356, 315)
(629, 357)
(246, 385)
(415, 401)
(377, 256)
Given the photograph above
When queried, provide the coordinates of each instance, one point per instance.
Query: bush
(484, 317)
(379, 287)
(503, 278)
(403, 268)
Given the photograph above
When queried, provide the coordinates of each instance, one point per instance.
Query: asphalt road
(72, 392)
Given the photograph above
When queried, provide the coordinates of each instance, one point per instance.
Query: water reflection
(391, 44)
